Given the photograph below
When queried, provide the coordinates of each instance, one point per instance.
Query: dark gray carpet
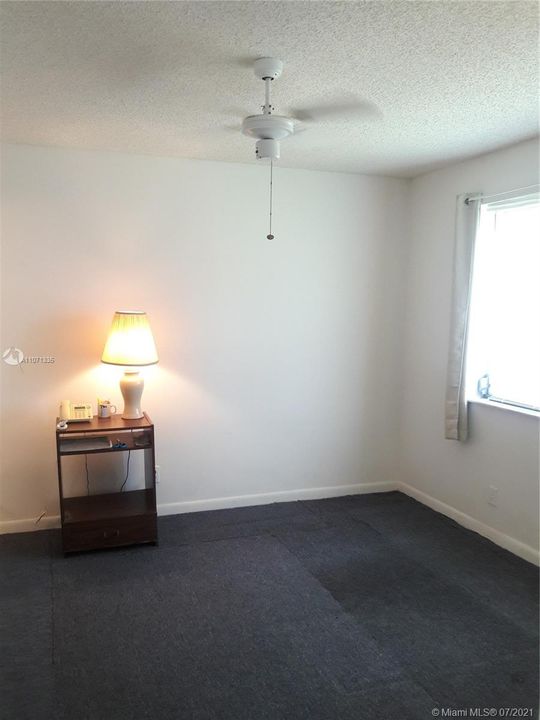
(357, 608)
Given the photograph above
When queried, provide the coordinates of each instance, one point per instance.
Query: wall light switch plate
(158, 474)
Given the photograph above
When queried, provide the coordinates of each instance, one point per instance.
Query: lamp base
(131, 386)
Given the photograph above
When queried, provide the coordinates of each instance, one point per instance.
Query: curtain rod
(488, 197)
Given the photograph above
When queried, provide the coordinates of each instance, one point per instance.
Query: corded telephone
(75, 412)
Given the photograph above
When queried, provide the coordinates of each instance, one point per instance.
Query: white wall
(279, 360)
(503, 445)
(283, 364)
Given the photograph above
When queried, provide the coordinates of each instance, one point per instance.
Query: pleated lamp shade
(130, 340)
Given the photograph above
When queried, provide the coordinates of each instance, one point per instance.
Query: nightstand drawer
(109, 533)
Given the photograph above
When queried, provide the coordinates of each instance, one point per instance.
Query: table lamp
(131, 344)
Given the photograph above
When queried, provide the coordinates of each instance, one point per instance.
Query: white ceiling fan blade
(299, 126)
(245, 61)
(338, 107)
(238, 112)
(234, 117)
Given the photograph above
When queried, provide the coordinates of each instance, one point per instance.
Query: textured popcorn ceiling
(440, 80)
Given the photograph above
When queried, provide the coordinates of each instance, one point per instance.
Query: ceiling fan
(269, 129)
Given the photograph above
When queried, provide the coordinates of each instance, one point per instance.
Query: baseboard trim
(499, 538)
(53, 521)
(273, 497)
(47, 522)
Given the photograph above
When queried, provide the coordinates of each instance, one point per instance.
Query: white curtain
(467, 214)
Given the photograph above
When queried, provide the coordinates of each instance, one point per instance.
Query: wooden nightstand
(91, 522)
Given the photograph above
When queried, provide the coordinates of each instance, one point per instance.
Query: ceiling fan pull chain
(270, 236)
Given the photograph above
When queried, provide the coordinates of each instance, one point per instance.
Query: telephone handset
(75, 412)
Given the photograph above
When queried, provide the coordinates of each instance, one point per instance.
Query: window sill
(504, 406)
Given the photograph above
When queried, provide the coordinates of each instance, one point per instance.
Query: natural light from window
(504, 322)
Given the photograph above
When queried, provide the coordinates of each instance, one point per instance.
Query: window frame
(515, 198)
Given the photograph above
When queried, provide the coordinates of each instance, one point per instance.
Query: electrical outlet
(158, 474)
(493, 495)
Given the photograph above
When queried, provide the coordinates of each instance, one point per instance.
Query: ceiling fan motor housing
(268, 127)
(269, 130)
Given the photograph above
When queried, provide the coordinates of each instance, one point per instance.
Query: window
(503, 346)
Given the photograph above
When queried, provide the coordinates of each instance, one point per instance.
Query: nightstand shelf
(132, 443)
(108, 506)
(92, 522)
